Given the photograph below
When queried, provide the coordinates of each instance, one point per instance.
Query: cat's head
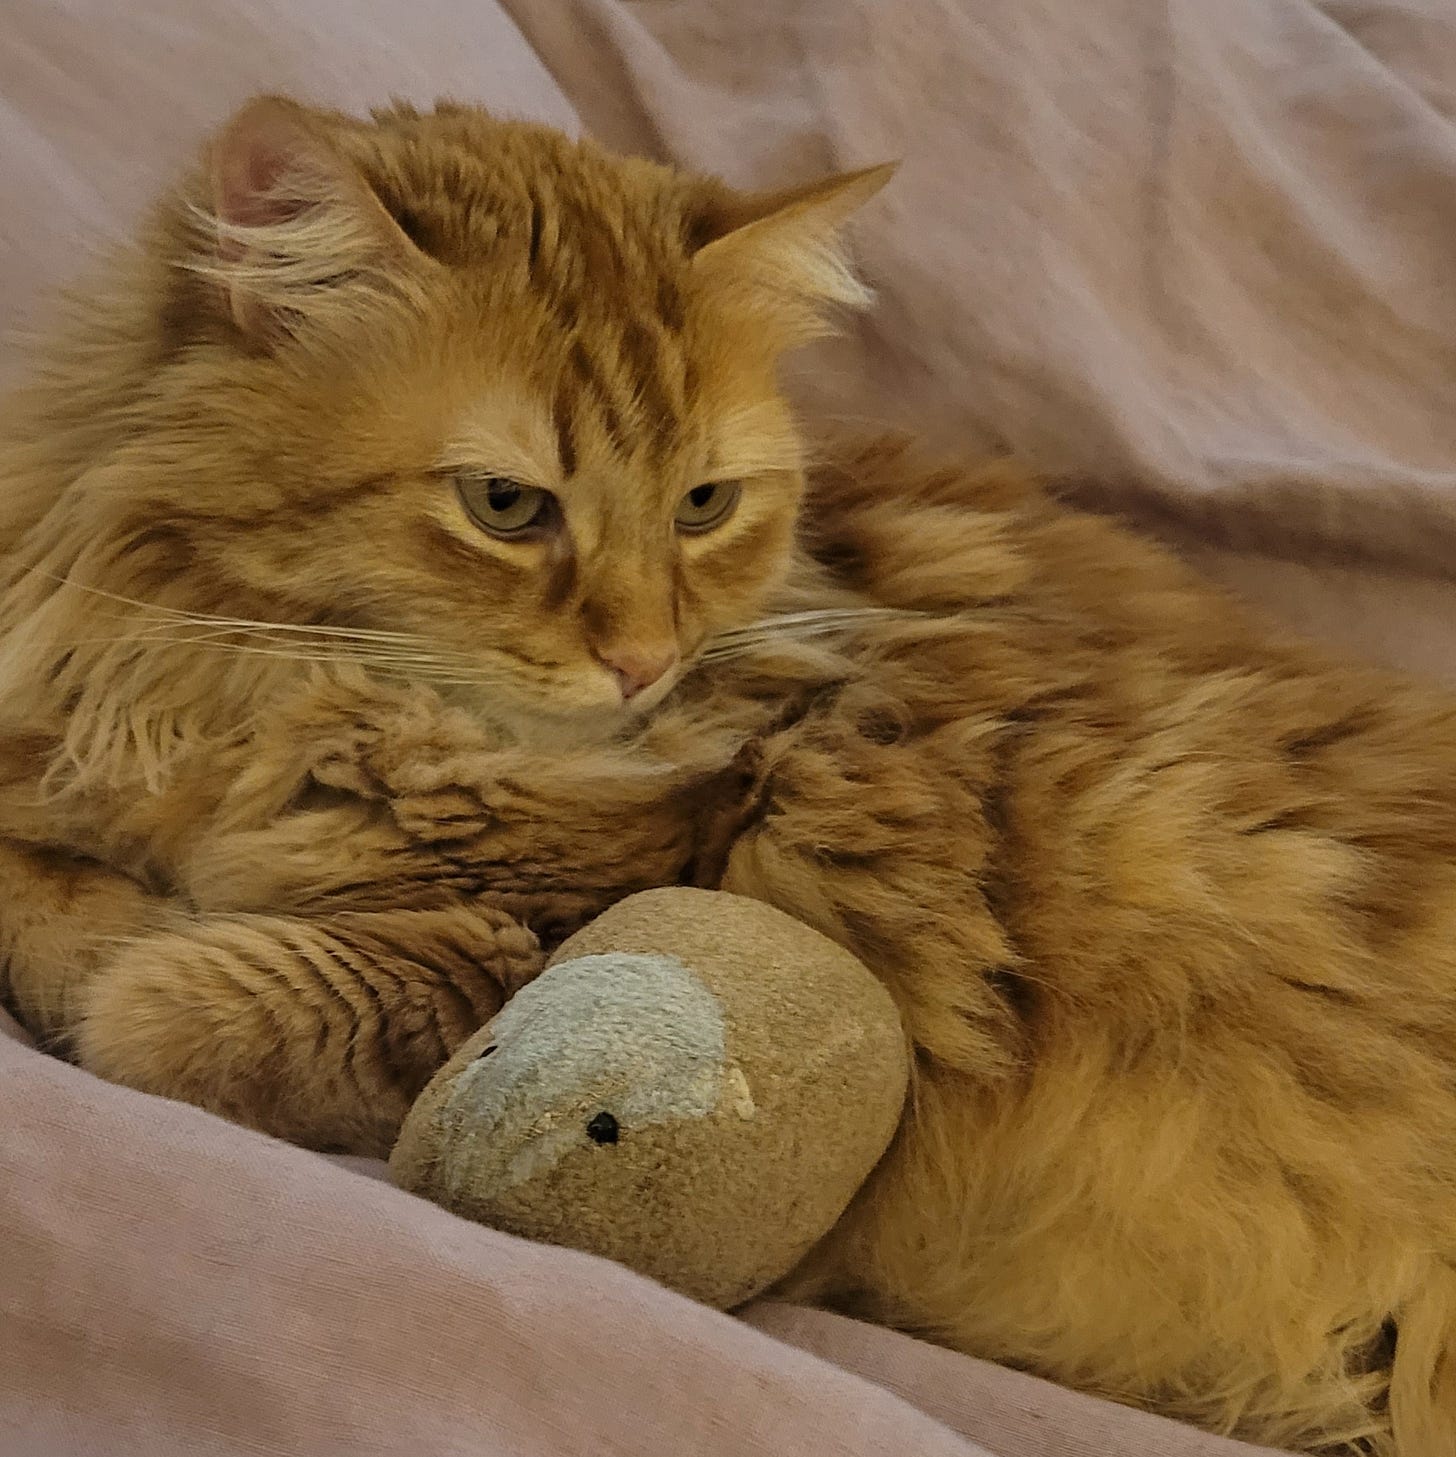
(502, 393)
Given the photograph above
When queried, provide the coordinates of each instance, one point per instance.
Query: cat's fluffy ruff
(1167, 904)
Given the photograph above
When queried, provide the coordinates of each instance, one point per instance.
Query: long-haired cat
(408, 552)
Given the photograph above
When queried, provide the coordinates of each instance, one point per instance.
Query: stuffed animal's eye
(707, 506)
(603, 1128)
(504, 507)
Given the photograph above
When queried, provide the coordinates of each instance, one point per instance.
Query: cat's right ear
(293, 230)
(782, 254)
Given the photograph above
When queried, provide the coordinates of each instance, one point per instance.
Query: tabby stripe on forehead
(563, 408)
(596, 387)
(646, 359)
(648, 366)
(605, 267)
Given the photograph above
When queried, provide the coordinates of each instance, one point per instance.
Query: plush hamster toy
(695, 1087)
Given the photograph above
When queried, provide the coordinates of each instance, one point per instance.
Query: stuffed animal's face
(585, 1059)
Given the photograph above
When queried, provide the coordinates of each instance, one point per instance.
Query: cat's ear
(787, 248)
(293, 228)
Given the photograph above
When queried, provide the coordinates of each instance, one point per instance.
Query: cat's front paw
(318, 1031)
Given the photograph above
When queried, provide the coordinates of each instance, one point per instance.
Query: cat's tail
(1423, 1381)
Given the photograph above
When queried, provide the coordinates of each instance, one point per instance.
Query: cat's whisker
(169, 631)
(344, 651)
(440, 670)
(800, 626)
(787, 623)
(163, 635)
(241, 624)
(246, 625)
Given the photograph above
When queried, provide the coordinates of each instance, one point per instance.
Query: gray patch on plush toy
(630, 1038)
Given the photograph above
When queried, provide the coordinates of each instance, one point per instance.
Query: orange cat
(408, 553)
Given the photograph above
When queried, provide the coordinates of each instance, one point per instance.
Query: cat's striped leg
(320, 1031)
(61, 918)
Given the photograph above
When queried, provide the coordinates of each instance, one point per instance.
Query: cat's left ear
(787, 246)
(296, 231)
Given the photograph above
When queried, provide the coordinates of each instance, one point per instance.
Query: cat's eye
(707, 506)
(504, 507)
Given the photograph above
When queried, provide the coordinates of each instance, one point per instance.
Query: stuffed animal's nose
(639, 667)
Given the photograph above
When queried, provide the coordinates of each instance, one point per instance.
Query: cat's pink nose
(639, 667)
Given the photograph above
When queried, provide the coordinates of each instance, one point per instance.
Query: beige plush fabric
(1197, 254)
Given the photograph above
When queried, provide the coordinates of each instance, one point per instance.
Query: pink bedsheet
(1199, 252)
